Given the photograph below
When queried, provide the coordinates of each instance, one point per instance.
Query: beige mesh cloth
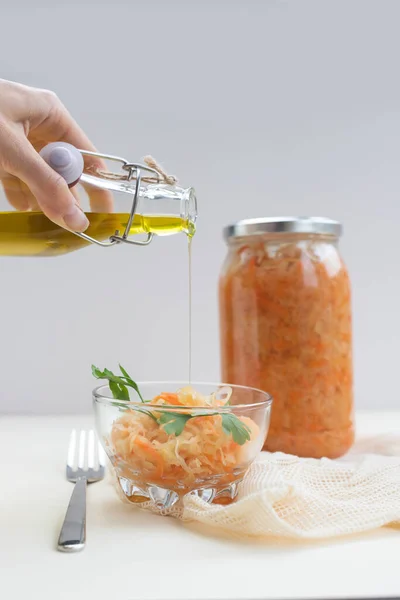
(294, 497)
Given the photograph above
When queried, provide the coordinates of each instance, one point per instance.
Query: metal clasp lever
(130, 172)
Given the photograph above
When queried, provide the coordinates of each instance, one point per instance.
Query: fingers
(18, 194)
(60, 126)
(50, 190)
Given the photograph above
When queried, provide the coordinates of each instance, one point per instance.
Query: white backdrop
(266, 108)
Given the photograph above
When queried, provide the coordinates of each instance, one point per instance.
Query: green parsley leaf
(130, 382)
(232, 425)
(96, 372)
(119, 391)
(118, 385)
(106, 374)
(173, 423)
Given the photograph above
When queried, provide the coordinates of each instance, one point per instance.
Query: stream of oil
(190, 238)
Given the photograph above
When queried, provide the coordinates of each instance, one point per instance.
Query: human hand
(30, 118)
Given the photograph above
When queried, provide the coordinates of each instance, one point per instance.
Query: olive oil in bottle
(33, 234)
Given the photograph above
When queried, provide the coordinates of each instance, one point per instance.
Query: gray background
(266, 108)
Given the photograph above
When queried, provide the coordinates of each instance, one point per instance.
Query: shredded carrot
(150, 453)
(169, 398)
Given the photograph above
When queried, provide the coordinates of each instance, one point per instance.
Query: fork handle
(73, 532)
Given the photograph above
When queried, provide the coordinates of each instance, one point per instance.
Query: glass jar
(285, 322)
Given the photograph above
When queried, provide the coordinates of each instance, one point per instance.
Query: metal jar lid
(307, 225)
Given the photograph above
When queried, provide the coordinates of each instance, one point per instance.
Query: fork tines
(86, 457)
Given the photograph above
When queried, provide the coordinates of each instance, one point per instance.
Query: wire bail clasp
(128, 180)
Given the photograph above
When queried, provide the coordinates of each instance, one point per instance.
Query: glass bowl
(161, 452)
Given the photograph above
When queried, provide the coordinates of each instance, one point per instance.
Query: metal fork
(85, 464)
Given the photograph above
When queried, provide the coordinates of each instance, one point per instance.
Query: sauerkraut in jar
(285, 319)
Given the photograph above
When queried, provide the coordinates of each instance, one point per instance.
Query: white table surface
(131, 554)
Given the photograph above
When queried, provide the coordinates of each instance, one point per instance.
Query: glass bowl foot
(162, 500)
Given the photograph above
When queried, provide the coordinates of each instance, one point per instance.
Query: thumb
(49, 188)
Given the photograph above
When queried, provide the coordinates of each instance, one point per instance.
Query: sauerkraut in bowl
(171, 439)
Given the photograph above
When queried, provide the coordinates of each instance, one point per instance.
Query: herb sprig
(172, 422)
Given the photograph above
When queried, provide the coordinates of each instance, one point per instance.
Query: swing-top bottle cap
(65, 159)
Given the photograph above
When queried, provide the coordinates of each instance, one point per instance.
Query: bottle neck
(154, 199)
(169, 201)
